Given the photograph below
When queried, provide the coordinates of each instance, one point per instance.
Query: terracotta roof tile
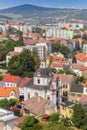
(5, 91)
(24, 81)
(83, 99)
(80, 56)
(10, 78)
(19, 120)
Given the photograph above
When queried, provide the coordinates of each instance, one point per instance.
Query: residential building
(84, 48)
(10, 81)
(17, 122)
(76, 91)
(9, 92)
(66, 109)
(44, 49)
(6, 120)
(81, 58)
(59, 33)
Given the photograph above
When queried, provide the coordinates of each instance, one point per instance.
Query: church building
(44, 86)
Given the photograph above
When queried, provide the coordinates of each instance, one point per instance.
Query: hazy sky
(48, 3)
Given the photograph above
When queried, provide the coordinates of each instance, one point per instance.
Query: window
(86, 90)
(7, 84)
(72, 94)
(66, 85)
(38, 81)
(48, 97)
(70, 111)
(79, 95)
(12, 94)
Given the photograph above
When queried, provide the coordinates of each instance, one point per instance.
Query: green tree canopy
(79, 116)
(3, 52)
(54, 118)
(23, 65)
(61, 48)
(28, 123)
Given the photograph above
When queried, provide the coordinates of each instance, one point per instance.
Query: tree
(79, 116)
(28, 123)
(36, 58)
(20, 42)
(61, 48)
(80, 80)
(54, 118)
(22, 65)
(3, 52)
(6, 104)
(53, 70)
(66, 121)
(51, 60)
(74, 59)
(17, 113)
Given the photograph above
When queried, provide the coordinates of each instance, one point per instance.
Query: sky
(81, 4)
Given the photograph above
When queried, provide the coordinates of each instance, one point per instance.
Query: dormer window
(38, 73)
(12, 94)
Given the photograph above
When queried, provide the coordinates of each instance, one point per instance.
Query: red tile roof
(80, 56)
(24, 81)
(83, 68)
(56, 65)
(10, 78)
(83, 99)
(5, 91)
(13, 53)
(85, 85)
(19, 120)
(30, 42)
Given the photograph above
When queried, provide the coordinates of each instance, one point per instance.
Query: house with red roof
(24, 81)
(57, 66)
(10, 81)
(9, 92)
(81, 58)
(17, 122)
(83, 99)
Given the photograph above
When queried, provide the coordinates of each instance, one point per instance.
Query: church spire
(43, 63)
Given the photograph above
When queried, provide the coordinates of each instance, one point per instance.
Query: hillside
(36, 14)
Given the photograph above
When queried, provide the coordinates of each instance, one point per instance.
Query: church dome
(43, 72)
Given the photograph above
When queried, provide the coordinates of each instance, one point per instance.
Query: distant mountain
(26, 9)
(37, 14)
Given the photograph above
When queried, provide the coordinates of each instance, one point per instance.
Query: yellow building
(75, 93)
(66, 109)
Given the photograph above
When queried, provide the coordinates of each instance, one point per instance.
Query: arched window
(38, 81)
(48, 97)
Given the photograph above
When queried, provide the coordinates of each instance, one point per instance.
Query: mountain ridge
(38, 14)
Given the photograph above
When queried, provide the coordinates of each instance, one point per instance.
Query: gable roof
(5, 91)
(11, 78)
(19, 120)
(80, 56)
(77, 88)
(65, 78)
(24, 81)
(35, 104)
